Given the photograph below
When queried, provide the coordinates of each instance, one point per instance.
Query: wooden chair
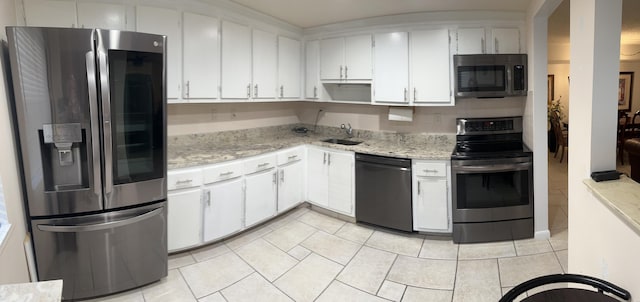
(562, 137)
(623, 124)
(634, 127)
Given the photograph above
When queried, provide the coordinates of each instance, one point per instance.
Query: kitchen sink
(340, 141)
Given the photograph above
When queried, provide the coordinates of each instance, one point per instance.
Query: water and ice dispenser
(64, 156)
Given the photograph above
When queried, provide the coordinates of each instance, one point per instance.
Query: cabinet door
(470, 41)
(431, 209)
(201, 57)
(50, 13)
(312, 70)
(341, 182)
(289, 68)
(357, 56)
(430, 66)
(222, 209)
(184, 219)
(391, 66)
(264, 64)
(260, 198)
(290, 182)
(101, 15)
(332, 59)
(506, 40)
(317, 178)
(236, 61)
(166, 22)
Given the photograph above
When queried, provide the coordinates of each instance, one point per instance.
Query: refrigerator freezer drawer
(103, 253)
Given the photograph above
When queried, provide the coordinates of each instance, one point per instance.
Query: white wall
(13, 265)
(206, 118)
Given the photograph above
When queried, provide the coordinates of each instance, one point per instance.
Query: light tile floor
(308, 256)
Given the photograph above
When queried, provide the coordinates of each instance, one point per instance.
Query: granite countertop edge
(621, 196)
(201, 152)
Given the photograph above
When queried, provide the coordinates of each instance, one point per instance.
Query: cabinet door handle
(281, 91)
(315, 92)
(226, 173)
(341, 72)
(275, 178)
(255, 91)
(430, 171)
(495, 43)
(329, 159)
(208, 197)
(418, 188)
(405, 94)
(188, 88)
(262, 165)
(186, 181)
(292, 157)
(346, 72)
(482, 45)
(324, 158)
(415, 94)
(249, 90)
(281, 176)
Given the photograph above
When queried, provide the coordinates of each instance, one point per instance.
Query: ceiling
(559, 23)
(311, 13)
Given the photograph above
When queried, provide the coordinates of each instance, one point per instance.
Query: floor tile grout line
(187, 283)
(360, 290)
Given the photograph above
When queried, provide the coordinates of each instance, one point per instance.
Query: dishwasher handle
(383, 166)
(383, 160)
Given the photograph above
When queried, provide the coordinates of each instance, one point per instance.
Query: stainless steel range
(492, 180)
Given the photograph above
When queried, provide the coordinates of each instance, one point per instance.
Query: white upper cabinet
(101, 15)
(470, 41)
(430, 67)
(264, 64)
(163, 21)
(506, 40)
(201, 58)
(50, 13)
(391, 67)
(481, 40)
(312, 70)
(236, 61)
(346, 58)
(288, 68)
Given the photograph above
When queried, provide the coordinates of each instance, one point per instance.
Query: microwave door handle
(93, 113)
(508, 86)
(106, 126)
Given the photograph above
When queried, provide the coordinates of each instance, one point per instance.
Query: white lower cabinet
(223, 203)
(431, 196)
(184, 226)
(261, 194)
(331, 180)
(291, 178)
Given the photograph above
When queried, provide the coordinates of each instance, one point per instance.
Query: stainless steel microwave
(490, 75)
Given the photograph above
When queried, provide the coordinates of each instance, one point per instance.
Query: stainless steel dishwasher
(383, 191)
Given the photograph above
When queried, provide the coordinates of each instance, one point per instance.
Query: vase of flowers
(554, 107)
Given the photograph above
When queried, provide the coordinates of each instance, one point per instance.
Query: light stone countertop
(622, 196)
(44, 291)
(202, 149)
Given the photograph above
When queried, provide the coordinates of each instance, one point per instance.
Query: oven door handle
(492, 168)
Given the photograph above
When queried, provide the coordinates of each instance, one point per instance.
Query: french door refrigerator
(90, 111)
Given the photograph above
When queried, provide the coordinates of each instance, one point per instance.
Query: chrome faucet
(348, 130)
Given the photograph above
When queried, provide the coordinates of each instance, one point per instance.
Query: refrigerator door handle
(106, 126)
(99, 226)
(93, 112)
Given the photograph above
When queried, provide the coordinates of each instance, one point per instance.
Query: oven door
(492, 189)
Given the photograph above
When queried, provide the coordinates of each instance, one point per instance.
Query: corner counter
(621, 196)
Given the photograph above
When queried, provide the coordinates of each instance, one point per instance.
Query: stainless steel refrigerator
(90, 108)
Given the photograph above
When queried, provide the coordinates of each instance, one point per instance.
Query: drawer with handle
(259, 163)
(290, 155)
(433, 169)
(184, 178)
(222, 171)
